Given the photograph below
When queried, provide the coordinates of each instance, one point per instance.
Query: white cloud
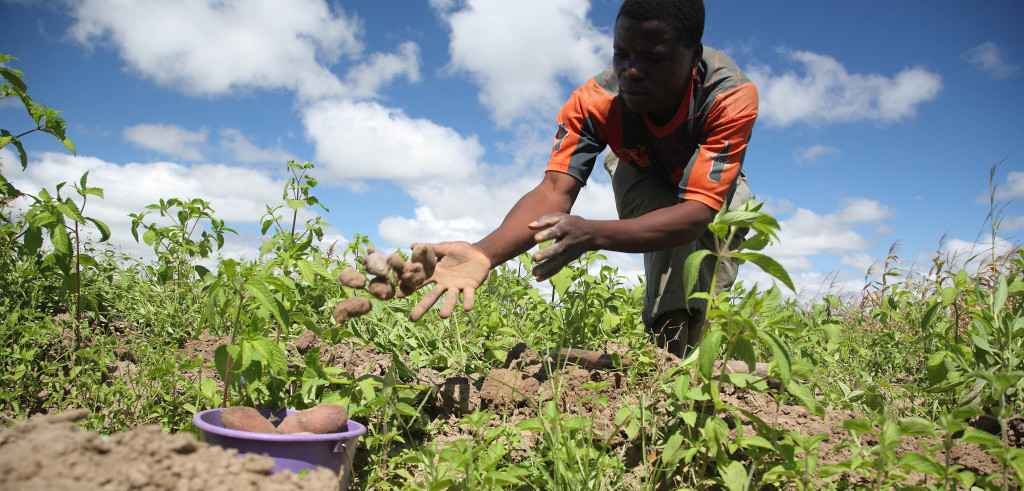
(1013, 188)
(518, 51)
(825, 93)
(805, 233)
(213, 47)
(170, 140)
(237, 195)
(244, 151)
(988, 57)
(362, 140)
(972, 255)
(365, 80)
(863, 210)
(813, 153)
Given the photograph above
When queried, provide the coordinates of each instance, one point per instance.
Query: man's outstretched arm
(464, 266)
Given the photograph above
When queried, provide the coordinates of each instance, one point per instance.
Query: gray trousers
(638, 192)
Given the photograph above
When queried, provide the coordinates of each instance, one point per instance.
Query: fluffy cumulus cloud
(213, 47)
(518, 67)
(366, 79)
(169, 140)
(988, 57)
(237, 195)
(361, 140)
(805, 233)
(823, 92)
(244, 151)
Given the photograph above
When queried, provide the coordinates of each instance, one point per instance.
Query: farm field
(915, 383)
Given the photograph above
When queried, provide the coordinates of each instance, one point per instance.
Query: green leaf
(259, 291)
(673, 450)
(937, 367)
(803, 395)
(915, 426)
(709, 347)
(691, 269)
(33, 239)
(60, 240)
(149, 237)
(561, 281)
(985, 439)
(734, 476)
(915, 462)
(781, 354)
(860, 425)
(500, 478)
(103, 228)
(531, 424)
(272, 355)
(768, 265)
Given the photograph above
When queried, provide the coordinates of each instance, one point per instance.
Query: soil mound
(51, 452)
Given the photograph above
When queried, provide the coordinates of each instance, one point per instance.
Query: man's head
(657, 45)
(684, 17)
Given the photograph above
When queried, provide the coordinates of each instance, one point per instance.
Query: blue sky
(427, 120)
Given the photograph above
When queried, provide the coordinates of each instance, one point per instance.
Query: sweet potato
(381, 288)
(412, 277)
(424, 254)
(352, 278)
(351, 308)
(375, 264)
(396, 262)
(324, 418)
(246, 419)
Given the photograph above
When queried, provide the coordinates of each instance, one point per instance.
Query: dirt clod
(54, 453)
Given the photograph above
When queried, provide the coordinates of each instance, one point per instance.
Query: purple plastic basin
(290, 452)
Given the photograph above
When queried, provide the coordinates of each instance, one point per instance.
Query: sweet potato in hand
(412, 278)
(396, 262)
(381, 288)
(375, 264)
(246, 419)
(351, 308)
(324, 418)
(424, 255)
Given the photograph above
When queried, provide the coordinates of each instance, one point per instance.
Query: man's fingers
(467, 299)
(450, 299)
(426, 302)
(546, 221)
(548, 252)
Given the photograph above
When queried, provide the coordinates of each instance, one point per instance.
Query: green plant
(46, 119)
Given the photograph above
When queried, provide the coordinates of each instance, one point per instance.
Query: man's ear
(697, 51)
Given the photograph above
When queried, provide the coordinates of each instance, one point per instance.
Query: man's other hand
(572, 236)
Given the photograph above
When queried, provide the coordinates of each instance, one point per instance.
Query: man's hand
(573, 236)
(462, 268)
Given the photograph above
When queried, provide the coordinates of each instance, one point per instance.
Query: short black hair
(684, 17)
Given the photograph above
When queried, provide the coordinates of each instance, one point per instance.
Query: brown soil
(54, 453)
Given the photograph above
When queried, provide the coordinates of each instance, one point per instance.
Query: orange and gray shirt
(701, 148)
